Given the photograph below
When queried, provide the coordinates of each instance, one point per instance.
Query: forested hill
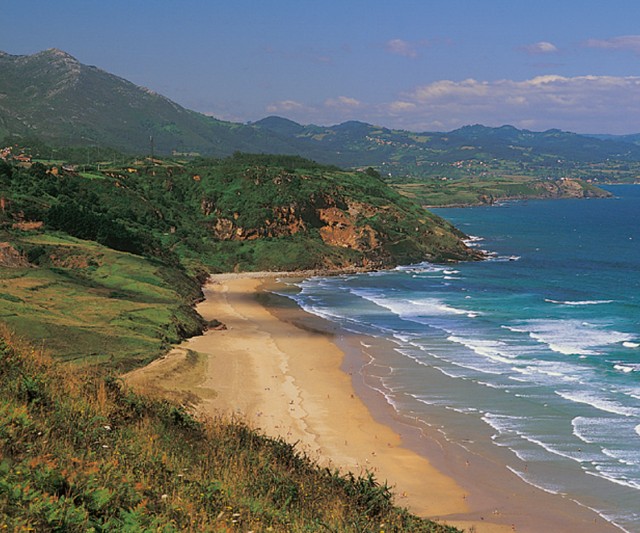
(109, 262)
(53, 97)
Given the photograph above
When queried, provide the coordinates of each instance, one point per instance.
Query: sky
(429, 65)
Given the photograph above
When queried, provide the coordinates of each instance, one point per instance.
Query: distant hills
(55, 98)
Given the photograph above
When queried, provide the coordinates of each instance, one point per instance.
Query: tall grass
(80, 452)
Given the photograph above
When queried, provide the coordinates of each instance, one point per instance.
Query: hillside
(240, 213)
(469, 152)
(100, 270)
(79, 452)
(53, 97)
(470, 192)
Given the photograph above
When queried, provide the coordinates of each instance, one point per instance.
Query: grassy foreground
(79, 452)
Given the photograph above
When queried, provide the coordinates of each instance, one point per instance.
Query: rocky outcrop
(375, 233)
(282, 221)
(569, 188)
(11, 258)
(340, 229)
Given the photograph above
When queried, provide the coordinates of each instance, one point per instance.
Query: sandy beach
(281, 370)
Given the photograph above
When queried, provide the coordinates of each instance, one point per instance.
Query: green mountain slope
(505, 150)
(79, 452)
(52, 96)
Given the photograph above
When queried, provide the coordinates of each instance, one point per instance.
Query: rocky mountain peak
(58, 54)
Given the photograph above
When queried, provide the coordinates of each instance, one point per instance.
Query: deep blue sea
(539, 347)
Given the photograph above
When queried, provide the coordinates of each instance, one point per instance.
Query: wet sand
(282, 371)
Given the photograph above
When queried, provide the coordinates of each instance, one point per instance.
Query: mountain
(361, 144)
(53, 97)
(633, 138)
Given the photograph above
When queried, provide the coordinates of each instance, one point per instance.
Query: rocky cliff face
(371, 236)
(570, 188)
(10, 257)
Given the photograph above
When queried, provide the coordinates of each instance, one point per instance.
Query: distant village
(7, 154)
(17, 155)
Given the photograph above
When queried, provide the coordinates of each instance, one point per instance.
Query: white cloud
(402, 48)
(448, 89)
(285, 106)
(342, 101)
(624, 42)
(581, 103)
(401, 106)
(584, 104)
(541, 47)
(331, 111)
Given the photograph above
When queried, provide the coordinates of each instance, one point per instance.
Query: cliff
(272, 215)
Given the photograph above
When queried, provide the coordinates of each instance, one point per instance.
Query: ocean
(538, 348)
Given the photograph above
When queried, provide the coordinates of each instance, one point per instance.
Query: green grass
(104, 306)
(79, 452)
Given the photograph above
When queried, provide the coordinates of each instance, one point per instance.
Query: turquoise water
(538, 346)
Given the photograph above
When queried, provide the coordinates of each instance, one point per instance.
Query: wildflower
(108, 428)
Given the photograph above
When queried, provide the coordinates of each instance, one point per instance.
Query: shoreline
(291, 374)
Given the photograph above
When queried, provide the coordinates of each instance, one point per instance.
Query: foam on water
(599, 402)
(570, 336)
(492, 350)
(576, 303)
(420, 268)
(541, 343)
(627, 368)
(410, 309)
(614, 478)
(591, 430)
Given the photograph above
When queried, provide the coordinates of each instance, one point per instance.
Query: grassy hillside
(87, 303)
(101, 269)
(52, 96)
(78, 452)
(104, 268)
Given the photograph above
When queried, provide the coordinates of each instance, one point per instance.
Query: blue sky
(419, 65)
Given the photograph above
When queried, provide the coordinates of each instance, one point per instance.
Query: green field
(89, 303)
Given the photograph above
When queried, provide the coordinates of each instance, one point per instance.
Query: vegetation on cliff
(101, 269)
(246, 212)
(105, 266)
(100, 265)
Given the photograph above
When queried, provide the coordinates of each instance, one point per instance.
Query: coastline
(294, 375)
